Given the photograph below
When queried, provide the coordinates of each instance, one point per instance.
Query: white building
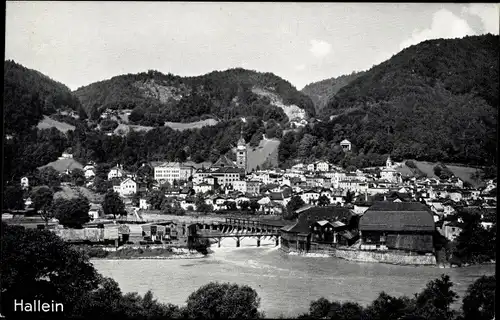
(202, 187)
(322, 166)
(25, 182)
(389, 173)
(127, 187)
(143, 204)
(116, 172)
(170, 171)
(346, 145)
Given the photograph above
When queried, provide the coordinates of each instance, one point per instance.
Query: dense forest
(434, 101)
(28, 95)
(156, 97)
(322, 91)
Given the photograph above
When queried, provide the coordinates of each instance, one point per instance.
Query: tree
(478, 302)
(349, 196)
(155, 198)
(323, 201)
(388, 307)
(13, 197)
(435, 300)
(295, 203)
(72, 213)
(244, 205)
(78, 177)
(474, 244)
(230, 205)
(254, 206)
(48, 176)
(224, 301)
(42, 198)
(319, 308)
(113, 204)
(37, 264)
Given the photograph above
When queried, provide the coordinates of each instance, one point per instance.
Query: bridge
(237, 229)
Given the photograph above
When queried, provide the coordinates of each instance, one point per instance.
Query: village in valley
(378, 214)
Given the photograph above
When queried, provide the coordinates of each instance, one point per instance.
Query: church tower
(388, 163)
(241, 153)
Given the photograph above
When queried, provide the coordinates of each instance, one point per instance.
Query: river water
(285, 283)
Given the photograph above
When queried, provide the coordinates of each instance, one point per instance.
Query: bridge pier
(218, 244)
(237, 242)
(258, 241)
(277, 241)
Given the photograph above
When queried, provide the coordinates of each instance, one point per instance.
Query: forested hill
(156, 98)
(435, 101)
(322, 91)
(28, 95)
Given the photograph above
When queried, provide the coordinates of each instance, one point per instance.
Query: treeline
(435, 101)
(38, 265)
(222, 94)
(28, 95)
(199, 145)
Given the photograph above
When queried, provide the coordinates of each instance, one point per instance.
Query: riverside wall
(357, 255)
(385, 257)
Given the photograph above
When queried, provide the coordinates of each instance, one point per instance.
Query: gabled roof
(345, 141)
(297, 227)
(330, 213)
(397, 216)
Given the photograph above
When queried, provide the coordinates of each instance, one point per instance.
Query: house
(143, 204)
(89, 173)
(451, 229)
(322, 166)
(127, 187)
(346, 145)
(331, 223)
(67, 154)
(24, 182)
(116, 172)
(202, 187)
(95, 211)
(400, 226)
(310, 196)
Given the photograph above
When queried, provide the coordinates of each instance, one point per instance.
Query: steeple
(388, 163)
(241, 141)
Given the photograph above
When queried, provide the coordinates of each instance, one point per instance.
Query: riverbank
(140, 252)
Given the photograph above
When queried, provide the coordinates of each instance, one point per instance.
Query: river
(285, 283)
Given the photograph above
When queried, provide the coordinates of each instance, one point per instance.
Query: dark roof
(331, 213)
(297, 227)
(224, 161)
(397, 216)
(228, 170)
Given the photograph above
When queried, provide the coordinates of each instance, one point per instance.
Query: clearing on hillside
(47, 123)
(191, 125)
(62, 165)
(68, 192)
(266, 151)
(464, 173)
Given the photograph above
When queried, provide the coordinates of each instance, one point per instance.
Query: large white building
(170, 171)
(389, 173)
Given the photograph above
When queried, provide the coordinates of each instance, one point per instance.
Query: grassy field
(462, 172)
(47, 123)
(125, 128)
(73, 192)
(62, 164)
(191, 125)
(267, 148)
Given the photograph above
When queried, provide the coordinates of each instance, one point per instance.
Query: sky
(78, 43)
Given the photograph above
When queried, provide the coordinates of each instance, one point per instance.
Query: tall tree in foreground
(479, 300)
(72, 213)
(113, 204)
(42, 198)
(224, 301)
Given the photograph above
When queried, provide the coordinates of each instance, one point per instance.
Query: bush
(410, 164)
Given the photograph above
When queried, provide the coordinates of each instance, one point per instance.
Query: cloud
(300, 67)
(488, 13)
(320, 48)
(444, 25)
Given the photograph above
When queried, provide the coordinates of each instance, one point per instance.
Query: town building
(116, 172)
(172, 171)
(25, 182)
(400, 226)
(241, 154)
(346, 145)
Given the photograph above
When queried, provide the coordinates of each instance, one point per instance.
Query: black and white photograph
(249, 160)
